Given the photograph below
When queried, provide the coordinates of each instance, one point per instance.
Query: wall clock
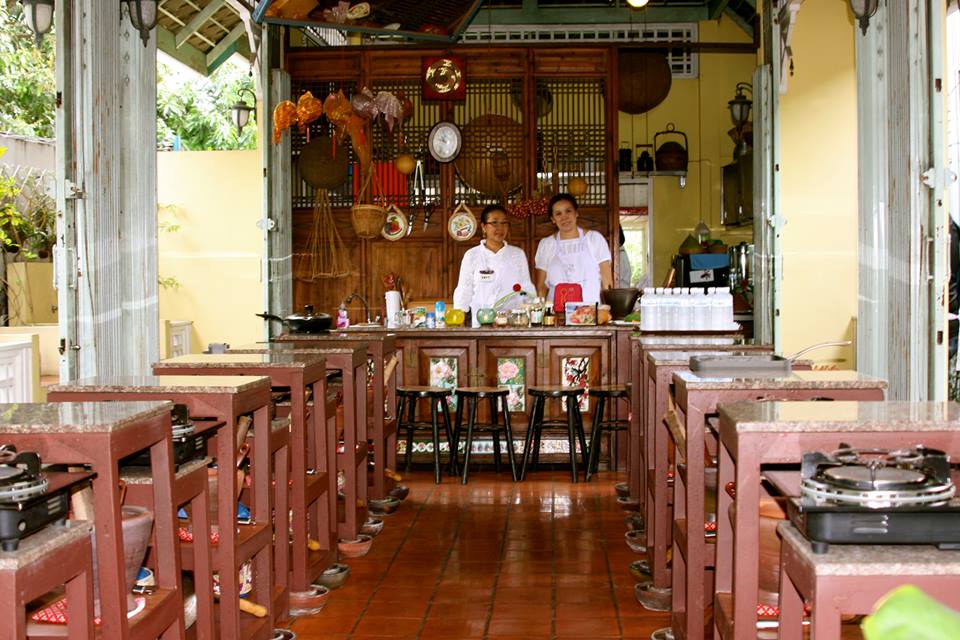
(445, 141)
(443, 78)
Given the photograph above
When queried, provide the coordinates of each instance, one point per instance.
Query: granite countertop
(838, 416)
(77, 417)
(239, 361)
(291, 347)
(44, 542)
(872, 560)
(677, 358)
(795, 380)
(163, 384)
(337, 336)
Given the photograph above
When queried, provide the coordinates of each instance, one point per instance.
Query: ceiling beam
(715, 8)
(225, 47)
(577, 15)
(197, 21)
(187, 54)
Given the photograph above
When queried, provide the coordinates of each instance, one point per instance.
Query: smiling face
(495, 228)
(564, 215)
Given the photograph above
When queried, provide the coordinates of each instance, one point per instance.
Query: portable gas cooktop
(877, 496)
(187, 445)
(31, 499)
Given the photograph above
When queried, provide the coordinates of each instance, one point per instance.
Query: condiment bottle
(549, 320)
(431, 320)
(501, 319)
(343, 320)
(536, 313)
(440, 311)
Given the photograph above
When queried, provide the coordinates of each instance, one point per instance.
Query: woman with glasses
(572, 255)
(492, 269)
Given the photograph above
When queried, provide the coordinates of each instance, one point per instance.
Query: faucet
(366, 307)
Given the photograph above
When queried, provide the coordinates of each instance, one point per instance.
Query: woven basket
(368, 219)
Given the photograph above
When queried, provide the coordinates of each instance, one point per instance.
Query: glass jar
(536, 316)
(501, 319)
(519, 318)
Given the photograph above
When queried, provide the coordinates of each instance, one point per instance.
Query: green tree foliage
(27, 77)
(197, 109)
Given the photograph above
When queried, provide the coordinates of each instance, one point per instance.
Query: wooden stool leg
(578, 425)
(595, 433)
(495, 432)
(466, 454)
(451, 439)
(538, 434)
(435, 423)
(509, 432)
(571, 431)
(528, 440)
(458, 426)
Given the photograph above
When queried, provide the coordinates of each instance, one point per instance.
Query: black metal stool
(469, 396)
(602, 393)
(573, 423)
(437, 397)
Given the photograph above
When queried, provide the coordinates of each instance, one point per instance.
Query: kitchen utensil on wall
(671, 155)
(428, 209)
(419, 191)
(368, 219)
(462, 224)
(396, 225)
(323, 164)
(644, 80)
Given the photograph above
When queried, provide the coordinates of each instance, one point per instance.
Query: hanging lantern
(637, 4)
(863, 10)
(240, 111)
(740, 105)
(38, 14)
(143, 16)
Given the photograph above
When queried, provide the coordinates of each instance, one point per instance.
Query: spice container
(501, 319)
(431, 320)
(519, 318)
(549, 320)
(536, 314)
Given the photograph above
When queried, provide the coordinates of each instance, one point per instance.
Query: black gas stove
(187, 444)
(877, 496)
(30, 499)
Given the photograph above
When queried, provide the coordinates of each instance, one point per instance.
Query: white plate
(462, 225)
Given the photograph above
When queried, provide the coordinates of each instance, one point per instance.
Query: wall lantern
(38, 14)
(740, 105)
(240, 111)
(637, 4)
(863, 10)
(143, 16)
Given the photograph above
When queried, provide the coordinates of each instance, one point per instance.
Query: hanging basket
(368, 219)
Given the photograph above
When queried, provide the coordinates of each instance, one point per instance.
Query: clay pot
(635, 522)
(383, 507)
(400, 492)
(137, 523)
(640, 569)
(628, 504)
(636, 540)
(355, 548)
(622, 489)
(284, 634)
(372, 527)
(333, 576)
(310, 602)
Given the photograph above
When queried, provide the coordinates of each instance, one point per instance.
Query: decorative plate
(462, 224)
(443, 78)
(395, 226)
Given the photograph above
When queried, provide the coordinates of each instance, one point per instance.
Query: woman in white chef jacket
(491, 270)
(571, 254)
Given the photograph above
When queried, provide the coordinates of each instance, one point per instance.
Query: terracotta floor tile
(584, 610)
(404, 608)
(523, 594)
(509, 610)
(388, 626)
(500, 626)
(323, 624)
(446, 627)
(588, 628)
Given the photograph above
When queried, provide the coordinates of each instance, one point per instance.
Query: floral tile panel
(576, 373)
(512, 374)
(443, 373)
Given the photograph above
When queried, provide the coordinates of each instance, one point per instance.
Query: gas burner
(877, 478)
(877, 496)
(180, 423)
(20, 477)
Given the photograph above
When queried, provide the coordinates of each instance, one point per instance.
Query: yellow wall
(698, 107)
(216, 198)
(819, 183)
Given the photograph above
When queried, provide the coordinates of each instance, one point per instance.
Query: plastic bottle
(343, 319)
(440, 311)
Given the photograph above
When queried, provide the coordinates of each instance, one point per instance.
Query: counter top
(238, 361)
(795, 380)
(293, 348)
(678, 358)
(77, 417)
(812, 417)
(872, 560)
(603, 331)
(162, 384)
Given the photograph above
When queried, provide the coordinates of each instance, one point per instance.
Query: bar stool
(437, 397)
(470, 396)
(602, 393)
(573, 423)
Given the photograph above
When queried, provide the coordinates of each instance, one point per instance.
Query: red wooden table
(222, 401)
(100, 435)
(756, 434)
(696, 398)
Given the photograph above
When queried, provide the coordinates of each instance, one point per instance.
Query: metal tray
(745, 366)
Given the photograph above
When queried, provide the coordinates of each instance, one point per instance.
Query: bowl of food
(621, 301)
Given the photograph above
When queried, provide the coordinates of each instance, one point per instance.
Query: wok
(306, 322)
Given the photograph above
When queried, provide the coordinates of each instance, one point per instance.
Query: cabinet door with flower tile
(512, 365)
(585, 364)
(449, 364)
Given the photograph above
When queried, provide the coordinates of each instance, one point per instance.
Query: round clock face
(445, 141)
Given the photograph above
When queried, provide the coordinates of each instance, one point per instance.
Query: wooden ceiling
(203, 34)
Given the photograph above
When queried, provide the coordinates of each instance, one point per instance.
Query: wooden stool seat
(425, 392)
(469, 396)
(609, 391)
(55, 556)
(573, 424)
(555, 391)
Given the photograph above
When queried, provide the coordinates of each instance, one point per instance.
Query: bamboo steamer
(644, 80)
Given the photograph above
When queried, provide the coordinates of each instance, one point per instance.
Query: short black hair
(491, 208)
(559, 198)
(623, 237)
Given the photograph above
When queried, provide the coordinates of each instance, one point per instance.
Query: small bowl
(628, 504)
(333, 576)
(355, 548)
(284, 634)
(623, 490)
(400, 492)
(372, 527)
(640, 569)
(310, 602)
(383, 507)
(636, 541)
(635, 522)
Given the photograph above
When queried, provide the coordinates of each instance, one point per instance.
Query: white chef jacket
(477, 288)
(576, 260)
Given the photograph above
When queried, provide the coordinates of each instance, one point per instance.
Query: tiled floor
(538, 559)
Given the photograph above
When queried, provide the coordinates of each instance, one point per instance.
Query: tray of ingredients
(741, 366)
